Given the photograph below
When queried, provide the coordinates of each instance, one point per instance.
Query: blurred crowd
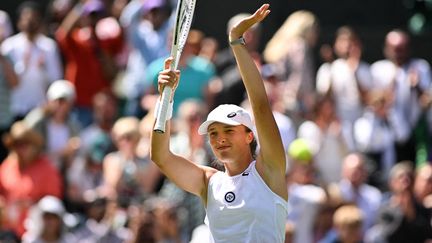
(78, 84)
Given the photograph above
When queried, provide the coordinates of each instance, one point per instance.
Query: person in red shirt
(26, 175)
(89, 51)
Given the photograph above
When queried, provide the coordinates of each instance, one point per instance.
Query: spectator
(347, 79)
(327, 138)
(105, 113)
(35, 59)
(305, 197)
(423, 185)
(26, 175)
(197, 72)
(185, 140)
(407, 78)
(348, 223)
(127, 176)
(89, 55)
(86, 171)
(290, 48)
(401, 218)
(97, 226)
(323, 225)
(45, 222)
(148, 26)
(353, 189)
(142, 224)
(56, 12)
(8, 81)
(375, 134)
(6, 234)
(166, 220)
(55, 122)
(6, 29)
(209, 48)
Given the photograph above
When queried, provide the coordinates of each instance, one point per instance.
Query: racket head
(184, 17)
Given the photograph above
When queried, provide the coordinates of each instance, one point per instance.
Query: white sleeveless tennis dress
(243, 208)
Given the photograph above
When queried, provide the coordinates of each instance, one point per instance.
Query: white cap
(228, 114)
(51, 204)
(61, 89)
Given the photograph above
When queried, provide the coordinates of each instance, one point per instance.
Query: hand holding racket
(168, 78)
(184, 14)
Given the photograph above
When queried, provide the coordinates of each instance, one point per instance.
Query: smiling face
(230, 143)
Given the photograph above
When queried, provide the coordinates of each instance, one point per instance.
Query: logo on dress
(229, 197)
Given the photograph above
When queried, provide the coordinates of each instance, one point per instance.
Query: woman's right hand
(168, 77)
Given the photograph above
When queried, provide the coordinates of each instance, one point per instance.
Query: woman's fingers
(168, 77)
(246, 23)
(168, 62)
(261, 13)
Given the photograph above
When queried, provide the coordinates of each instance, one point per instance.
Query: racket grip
(162, 112)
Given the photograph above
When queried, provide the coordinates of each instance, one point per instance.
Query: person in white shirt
(35, 58)
(348, 77)
(147, 26)
(306, 197)
(247, 202)
(353, 188)
(327, 138)
(408, 79)
(376, 132)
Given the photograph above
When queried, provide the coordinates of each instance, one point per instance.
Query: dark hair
(348, 31)
(32, 5)
(253, 145)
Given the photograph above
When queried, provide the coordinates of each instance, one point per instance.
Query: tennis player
(248, 201)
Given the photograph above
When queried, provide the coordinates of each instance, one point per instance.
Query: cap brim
(202, 130)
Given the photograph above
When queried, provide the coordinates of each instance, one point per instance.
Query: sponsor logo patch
(229, 197)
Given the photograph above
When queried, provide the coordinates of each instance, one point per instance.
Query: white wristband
(169, 111)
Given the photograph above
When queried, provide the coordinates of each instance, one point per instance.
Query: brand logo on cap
(229, 197)
(232, 114)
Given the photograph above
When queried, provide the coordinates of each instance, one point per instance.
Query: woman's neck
(237, 167)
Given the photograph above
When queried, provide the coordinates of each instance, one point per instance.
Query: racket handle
(162, 112)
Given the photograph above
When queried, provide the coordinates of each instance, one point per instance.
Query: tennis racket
(184, 14)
